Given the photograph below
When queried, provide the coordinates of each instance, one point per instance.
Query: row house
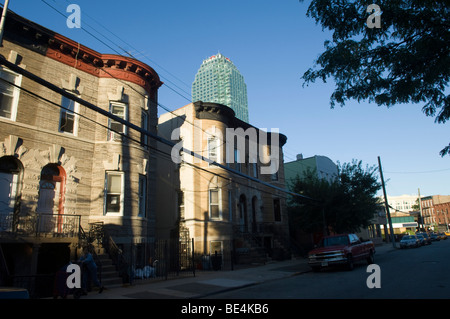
(64, 167)
(221, 183)
(434, 211)
(442, 216)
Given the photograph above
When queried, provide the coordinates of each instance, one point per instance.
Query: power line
(125, 51)
(169, 156)
(101, 111)
(97, 109)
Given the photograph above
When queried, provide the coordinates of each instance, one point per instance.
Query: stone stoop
(109, 275)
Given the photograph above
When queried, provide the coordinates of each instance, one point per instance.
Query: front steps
(109, 276)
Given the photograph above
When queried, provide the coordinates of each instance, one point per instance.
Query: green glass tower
(219, 81)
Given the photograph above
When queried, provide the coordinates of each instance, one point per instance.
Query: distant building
(442, 211)
(429, 210)
(407, 215)
(403, 203)
(325, 168)
(219, 81)
(321, 165)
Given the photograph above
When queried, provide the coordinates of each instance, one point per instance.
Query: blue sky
(272, 43)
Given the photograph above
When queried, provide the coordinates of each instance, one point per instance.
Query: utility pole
(2, 23)
(391, 229)
(421, 214)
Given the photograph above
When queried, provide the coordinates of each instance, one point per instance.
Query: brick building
(224, 212)
(63, 166)
(435, 212)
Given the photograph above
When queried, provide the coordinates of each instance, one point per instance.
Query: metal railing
(39, 225)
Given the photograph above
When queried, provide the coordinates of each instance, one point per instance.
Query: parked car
(409, 241)
(421, 239)
(341, 249)
(426, 237)
(443, 236)
(435, 237)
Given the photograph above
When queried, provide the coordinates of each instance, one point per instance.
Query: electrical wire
(133, 126)
(129, 124)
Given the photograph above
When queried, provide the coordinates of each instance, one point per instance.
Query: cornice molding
(119, 67)
(39, 39)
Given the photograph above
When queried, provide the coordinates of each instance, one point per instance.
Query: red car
(342, 249)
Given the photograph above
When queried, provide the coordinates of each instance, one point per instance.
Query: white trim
(76, 110)
(111, 134)
(219, 204)
(216, 149)
(122, 193)
(15, 94)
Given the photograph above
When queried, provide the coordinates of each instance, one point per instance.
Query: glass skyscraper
(219, 81)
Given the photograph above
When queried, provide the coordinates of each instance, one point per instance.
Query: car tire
(350, 263)
(370, 259)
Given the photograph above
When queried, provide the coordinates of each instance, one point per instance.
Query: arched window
(52, 189)
(11, 172)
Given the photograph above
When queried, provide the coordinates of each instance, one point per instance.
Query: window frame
(122, 193)
(213, 150)
(76, 109)
(15, 94)
(111, 133)
(144, 126)
(218, 204)
(142, 194)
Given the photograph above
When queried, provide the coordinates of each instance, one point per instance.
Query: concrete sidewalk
(208, 283)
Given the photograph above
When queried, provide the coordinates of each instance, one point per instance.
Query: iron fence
(162, 259)
(39, 225)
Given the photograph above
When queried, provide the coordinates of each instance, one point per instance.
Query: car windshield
(408, 237)
(335, 241)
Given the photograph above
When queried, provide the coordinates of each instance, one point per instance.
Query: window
(277, 210)
(237, 160)
(10, 177)
(142, 196)
(255, 169)
(181, 205)
(144, 125)
(213, 146)
(9, 94)
(115, 127)
(214, 204)
(68, 119)
(114, 192)
(51, 189)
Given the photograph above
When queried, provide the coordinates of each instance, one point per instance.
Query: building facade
(403, 203)
(63, 165)
(429, 211)
(229, 209)
(323, 166)
(442, 216)
(219, 81)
